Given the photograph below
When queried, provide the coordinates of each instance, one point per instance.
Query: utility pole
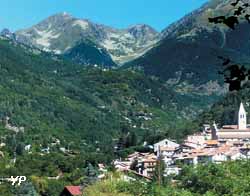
(159, 170)
(159, 165)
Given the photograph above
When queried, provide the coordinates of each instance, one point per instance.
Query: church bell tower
(242, 118)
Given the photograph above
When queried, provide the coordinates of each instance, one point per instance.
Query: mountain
(88, 53)
(62, 32)
(7, 34)
(84, 53)
(187, 56)
(73, 116)
(52, 97)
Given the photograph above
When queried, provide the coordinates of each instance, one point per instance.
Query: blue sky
(18, 14)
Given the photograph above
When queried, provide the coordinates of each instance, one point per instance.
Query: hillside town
(213, 144)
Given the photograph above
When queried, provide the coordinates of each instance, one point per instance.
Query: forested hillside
(53, 96)
(63, 111)
(61, 115)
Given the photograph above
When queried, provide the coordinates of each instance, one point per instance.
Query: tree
(26, 189)
(19, 149)
(131, 139)
(91, 175)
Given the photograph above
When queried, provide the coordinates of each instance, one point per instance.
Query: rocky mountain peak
(6, 33)
(61, 32)
(141, 30)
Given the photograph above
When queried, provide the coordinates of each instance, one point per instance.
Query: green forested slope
(56, 97)
(90, 110)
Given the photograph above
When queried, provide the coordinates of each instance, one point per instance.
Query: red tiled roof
(74, 190)
(211, 142)
(133, 154)
(150, 160)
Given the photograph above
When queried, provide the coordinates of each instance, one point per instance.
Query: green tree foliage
(26, 189)
(226, 179)
(54, 97)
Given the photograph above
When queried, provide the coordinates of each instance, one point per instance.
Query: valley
(76, 97)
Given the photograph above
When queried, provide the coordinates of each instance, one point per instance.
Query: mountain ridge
(61, 32)
(192, 46)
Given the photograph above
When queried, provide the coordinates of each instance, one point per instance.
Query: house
(219, 154)
(235, 154)
(187, 147)
(188, 159)
(204, 158)
(142, 163)
(196, 140)
(167, 153)
(149, 165)
(132, 157)
(164, 143)
(27, 147)
(122, 165)
(219, 157)
(71, 191)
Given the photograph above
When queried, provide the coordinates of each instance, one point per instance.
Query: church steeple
(242, 118)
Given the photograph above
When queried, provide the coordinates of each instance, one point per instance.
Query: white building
(27, 147)
(235, 132)
(242, 118)
(164, 143)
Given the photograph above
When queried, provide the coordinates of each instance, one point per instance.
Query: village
(213, 144)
